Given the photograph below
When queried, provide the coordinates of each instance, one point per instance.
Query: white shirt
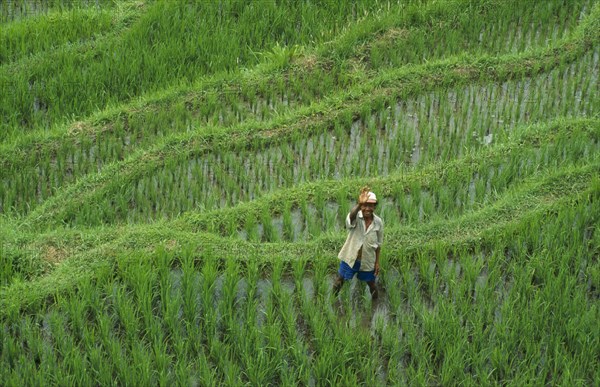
(369, 239)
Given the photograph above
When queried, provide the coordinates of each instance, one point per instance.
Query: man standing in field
(360, 253)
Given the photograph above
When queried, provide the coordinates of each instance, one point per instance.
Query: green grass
(311, 118)
(21, 10)
(212, 99)
(37, 35)
(67, 83)
(173, 200)
(476, 297)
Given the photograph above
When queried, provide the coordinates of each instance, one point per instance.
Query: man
(360, 253)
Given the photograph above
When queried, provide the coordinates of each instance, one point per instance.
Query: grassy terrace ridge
(26, 42)
(24, 162)
(64, 86)
(56, 245)
(536, 193)
(532, 137)
(177, 220)
(18, 10)
(537, 198)
(26, 180)
(338, 57)
(528, 140)
(26, 187)
(36, 35)
(389, 86)
(39, 254)
(366, 32)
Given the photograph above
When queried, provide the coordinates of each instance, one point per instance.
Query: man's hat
(371, 198)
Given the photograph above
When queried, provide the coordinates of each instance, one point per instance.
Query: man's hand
(364, 195)
(376, 269)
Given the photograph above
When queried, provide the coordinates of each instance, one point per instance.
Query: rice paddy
(173, 200)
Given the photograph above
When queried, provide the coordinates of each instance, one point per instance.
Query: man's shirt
(369, 239)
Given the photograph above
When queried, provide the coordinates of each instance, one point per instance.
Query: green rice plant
(299, 269)
(208, 317)
(143, 280)
(108, 347)
(97, 364)
(273, 350)
(127, 316)
(251, 303)
(295, 344)
(252, 230)
(142, 362)
(320, 281)
(231, 372)
(227, 303)
(189, 287)
(171, 322)
(288, 233)
(256, 366)
(23, 9)
(206, 374)
(269, 234)
(425, 336)
(161, 360)
(117, 358)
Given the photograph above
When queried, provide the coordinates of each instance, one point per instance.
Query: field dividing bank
(407, 134)
(379, 29)
(32, 38)
(447, 313)
(550, 195)
(171, 43)
(260, 93)
(528, 193)
(15, 11)
(340, 112)
(385, 137)
(440, 190)
(480, 28)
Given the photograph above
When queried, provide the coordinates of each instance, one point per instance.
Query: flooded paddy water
(410, 134)
(216, 309)
(407, 134)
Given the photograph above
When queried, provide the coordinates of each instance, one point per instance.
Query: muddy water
(17, 9)
(473, 115)
(353, 307)
(393, 209)
(363, 311)
(414, 133)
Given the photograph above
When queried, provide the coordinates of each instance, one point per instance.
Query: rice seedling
(485, 168)
(137, 72)
(420, 347)
(266, 182)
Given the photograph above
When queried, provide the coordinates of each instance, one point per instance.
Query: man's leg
(337, 285)
(373, 289)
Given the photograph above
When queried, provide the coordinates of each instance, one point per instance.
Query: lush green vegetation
(172, 199)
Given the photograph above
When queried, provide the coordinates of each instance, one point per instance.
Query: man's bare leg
(337, 285)
(373, 289)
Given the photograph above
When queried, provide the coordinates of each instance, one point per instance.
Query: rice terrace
(177, 178)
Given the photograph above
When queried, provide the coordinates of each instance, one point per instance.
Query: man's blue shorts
(348, 272)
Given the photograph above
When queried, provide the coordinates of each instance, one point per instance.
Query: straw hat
(371, 198)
